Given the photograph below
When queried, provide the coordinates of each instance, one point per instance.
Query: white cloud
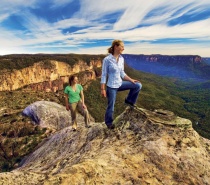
(92, 16)
(167, 49)
(10, 7)
(57, 3)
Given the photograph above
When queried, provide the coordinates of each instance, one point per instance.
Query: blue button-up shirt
(113, 71)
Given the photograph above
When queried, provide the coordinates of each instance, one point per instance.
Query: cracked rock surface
(146, 147)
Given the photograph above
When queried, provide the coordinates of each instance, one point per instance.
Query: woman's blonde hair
(114, 43)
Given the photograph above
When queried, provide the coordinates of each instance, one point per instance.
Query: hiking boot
(110, 126)
(129, 103)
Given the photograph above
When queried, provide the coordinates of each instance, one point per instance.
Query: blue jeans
(111, 96)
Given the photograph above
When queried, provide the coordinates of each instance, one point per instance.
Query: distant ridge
(185, 67)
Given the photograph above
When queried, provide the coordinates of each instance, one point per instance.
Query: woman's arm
(127, 78)
(83, 99)
(124, 76)
(103, 77)
(103, 90)
(67, 102)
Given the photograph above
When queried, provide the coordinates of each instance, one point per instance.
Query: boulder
(48, 114)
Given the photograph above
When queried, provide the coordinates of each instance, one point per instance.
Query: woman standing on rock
(74, 100)
(117, 80)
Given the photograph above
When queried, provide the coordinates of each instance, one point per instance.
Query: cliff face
(42, 76)
(177, 59)
(145, 148)
(181, 66)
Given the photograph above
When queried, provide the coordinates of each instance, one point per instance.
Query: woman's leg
(111, 97)
(73, 108)
(134, 90)
(84, 112)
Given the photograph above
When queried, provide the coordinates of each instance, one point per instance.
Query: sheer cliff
(185, 67)
(146, 147)
(45, 75)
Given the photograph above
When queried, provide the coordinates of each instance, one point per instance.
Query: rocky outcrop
(50, 115)
(145, 148)
(50, 75)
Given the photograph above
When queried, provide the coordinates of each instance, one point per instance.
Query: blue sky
(88, 26)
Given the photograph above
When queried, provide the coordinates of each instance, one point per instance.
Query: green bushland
(18, 140)
(18, 135)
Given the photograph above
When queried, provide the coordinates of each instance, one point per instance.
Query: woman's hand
(84, 106)
(67, 107)
(134, 81)
(103, 92)
(127, 78)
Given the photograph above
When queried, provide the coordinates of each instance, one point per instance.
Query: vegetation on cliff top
(20, 61)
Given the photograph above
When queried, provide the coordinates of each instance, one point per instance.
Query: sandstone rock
(145, 148)
(52, 75)
(51, 115)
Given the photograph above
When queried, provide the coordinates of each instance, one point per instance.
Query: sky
(168, 27)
